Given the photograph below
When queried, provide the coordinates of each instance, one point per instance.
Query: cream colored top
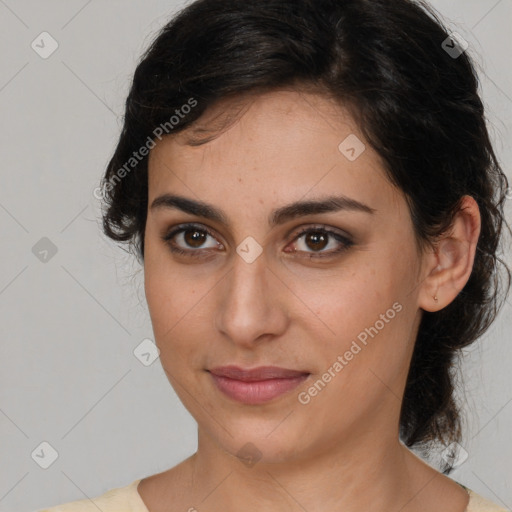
(127, 499)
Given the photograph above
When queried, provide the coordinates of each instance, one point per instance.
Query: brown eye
(194, 237)
(316, 239)
(190, 240)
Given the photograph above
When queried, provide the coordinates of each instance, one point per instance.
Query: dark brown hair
(416, 103)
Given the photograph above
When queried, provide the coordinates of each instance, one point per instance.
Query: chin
(270, 444)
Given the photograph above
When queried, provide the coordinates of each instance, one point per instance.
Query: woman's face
(343, 308)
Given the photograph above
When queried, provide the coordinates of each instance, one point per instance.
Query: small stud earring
(435, 298)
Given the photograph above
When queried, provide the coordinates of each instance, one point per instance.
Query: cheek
(343, 299)
(363, 311)
(163, 284)
(164, 293)
(380, 333)
(176, 307)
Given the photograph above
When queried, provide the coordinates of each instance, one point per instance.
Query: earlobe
(452, 261)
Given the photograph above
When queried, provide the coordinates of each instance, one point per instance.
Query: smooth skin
(341, 450)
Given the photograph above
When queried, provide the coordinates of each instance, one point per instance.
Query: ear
(448, 267)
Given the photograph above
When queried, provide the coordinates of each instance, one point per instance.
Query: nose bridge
(247, 308)
(247, 286)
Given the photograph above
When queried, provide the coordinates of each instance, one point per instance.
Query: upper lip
(255, 374)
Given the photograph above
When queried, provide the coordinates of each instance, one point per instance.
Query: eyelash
(197, 253)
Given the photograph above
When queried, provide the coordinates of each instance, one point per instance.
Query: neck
(354, 476)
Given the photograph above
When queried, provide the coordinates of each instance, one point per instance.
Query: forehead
(277, 146)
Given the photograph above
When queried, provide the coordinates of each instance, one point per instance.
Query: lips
(257, 385)
(256, 374)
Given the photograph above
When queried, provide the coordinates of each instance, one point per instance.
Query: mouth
(257, 385)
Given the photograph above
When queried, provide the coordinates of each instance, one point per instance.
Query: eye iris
(318, 239)
(197, 238)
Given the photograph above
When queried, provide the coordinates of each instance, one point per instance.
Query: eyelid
(305, 228)
(180, 228)
(341, 237)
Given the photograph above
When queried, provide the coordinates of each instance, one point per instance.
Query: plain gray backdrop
(72, 305)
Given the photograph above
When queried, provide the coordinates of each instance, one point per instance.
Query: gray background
(70, 324)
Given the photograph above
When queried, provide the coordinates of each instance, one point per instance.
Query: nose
(251, 304)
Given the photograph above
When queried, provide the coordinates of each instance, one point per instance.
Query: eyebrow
(277, 216)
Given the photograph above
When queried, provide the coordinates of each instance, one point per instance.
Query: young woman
(312, 191)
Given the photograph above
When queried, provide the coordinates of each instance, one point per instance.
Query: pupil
(197, 238)
(316, 239)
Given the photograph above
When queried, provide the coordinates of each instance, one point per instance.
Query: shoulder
(478, 503)
(126, 499)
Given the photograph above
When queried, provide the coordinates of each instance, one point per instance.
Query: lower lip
(256, 392)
